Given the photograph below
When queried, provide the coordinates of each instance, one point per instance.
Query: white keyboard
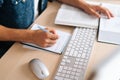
(75, 58)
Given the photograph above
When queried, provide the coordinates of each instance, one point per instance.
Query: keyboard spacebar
(58, 78)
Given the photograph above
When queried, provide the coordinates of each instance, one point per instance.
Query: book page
(112, 24)
(58, 47)
(109, 29)
(114, 8)
(68, 15)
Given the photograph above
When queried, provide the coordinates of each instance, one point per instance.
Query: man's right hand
(44, 39)
(38, 37)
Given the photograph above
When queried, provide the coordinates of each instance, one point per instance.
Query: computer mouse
(39, 68)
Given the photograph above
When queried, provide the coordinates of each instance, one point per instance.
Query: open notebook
(109, 30)
(58, 47)
(114, 22)
(68, 15)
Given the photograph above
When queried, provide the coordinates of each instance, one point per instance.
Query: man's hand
(44, 39)
(38, 37)
(97, 10)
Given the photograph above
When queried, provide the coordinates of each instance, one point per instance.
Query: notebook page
(114, 8)
(109, 29)
(58, 47)
(68, 15)
(112, 24)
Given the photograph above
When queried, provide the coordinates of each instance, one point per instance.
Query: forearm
(76, 3)
(8, 34)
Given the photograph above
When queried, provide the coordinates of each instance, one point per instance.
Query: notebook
(109, 69)
(68, 15)
(114, 22)
(109, 30)
(56, 48)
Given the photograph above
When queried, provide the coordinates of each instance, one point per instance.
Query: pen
(53, 37)
(42, 28)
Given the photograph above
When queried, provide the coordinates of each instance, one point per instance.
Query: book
(68, 15)
(58, 47)
(109, 29)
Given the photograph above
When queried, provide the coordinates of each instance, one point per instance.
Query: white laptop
(110, 68)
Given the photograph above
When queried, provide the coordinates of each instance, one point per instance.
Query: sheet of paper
(68, 15)
(111, 25)
(109, 29)
(58, 47)
(114, 8)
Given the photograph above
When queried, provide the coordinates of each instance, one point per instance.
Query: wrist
(20, 35)
(83, 5)
(26, 36)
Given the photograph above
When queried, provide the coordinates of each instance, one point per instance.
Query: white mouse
(38, 68)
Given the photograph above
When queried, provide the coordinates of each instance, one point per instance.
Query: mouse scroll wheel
(42, 72)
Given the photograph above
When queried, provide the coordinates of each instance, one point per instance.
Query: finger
(110, 14)
(106, 12)
(53, 36)
(51, 41)
(51, 30)
(93, 12)
(43, 45)
(49, 45)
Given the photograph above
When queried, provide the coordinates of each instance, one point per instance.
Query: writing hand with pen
(44, 38)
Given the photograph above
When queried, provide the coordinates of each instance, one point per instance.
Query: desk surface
(14, 64)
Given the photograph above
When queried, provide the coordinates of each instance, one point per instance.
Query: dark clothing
(17, 14)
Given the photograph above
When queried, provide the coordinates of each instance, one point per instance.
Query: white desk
(14, 64)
